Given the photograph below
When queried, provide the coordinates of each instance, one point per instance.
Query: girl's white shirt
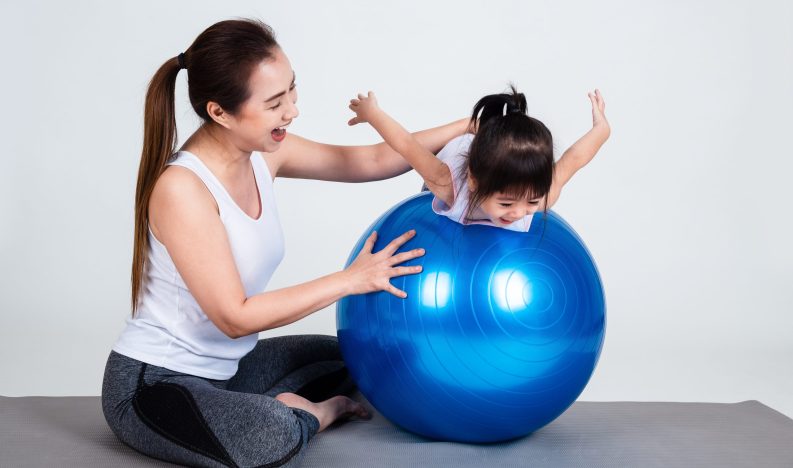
(454, 155)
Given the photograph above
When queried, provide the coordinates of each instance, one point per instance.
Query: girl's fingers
(353, 121)
(598, 104)
(593, 100)
(599, 99)
(361, 96)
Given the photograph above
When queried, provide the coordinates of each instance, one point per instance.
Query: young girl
(500, 174)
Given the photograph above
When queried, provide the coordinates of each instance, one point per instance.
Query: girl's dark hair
(219, 64)
(510, 153)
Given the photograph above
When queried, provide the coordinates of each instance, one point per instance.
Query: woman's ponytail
(159, 143)
(220, 62)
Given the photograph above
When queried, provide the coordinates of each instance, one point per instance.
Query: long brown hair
(219, 64)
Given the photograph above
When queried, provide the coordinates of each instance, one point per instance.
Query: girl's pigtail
(498, 105)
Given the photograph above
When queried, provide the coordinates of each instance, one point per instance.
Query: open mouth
(279, 133)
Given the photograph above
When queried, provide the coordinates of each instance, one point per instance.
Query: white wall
(686, 208)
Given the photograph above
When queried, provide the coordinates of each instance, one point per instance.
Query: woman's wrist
(464, 126)
(344, 283)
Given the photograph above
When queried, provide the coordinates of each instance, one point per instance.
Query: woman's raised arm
(301, 158)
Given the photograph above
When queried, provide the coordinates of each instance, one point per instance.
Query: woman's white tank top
(169, 329)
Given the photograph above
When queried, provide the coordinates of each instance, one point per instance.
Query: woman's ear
(217, 114)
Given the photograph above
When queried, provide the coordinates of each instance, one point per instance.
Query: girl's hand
(364, 107)
(598, 109)
(371, 272)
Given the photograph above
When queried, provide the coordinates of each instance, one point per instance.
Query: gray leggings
(196, 421)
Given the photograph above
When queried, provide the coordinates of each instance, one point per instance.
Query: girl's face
(503, 209)
(260, 124)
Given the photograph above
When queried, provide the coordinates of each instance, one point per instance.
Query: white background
(686, 208)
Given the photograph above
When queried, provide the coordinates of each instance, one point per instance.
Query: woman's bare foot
(328, 411)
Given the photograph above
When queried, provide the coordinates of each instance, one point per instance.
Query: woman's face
(260, 124)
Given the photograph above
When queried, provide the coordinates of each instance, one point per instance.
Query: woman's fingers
(395, 244)
(405, 256)
(369, 244)
(405, 270)
(396, 292)
(374, 271)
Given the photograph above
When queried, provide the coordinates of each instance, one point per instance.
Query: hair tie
(510, 108)
(180, 59)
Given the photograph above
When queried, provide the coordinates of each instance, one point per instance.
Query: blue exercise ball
(497, 337)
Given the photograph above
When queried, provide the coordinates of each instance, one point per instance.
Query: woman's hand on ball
(372, 271)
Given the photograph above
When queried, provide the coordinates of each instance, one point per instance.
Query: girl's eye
(505, 205)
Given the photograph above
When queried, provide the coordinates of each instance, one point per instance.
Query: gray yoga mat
(71, 432)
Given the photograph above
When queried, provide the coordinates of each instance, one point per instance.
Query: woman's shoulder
(179, 187)
(178, 192)
(177, 177)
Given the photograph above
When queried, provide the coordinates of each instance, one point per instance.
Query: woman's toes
(356, 409)
(363, 413)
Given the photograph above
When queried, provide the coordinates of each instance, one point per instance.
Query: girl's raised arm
(435, 173)
(582, 151)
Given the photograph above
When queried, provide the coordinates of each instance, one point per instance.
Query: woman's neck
(215, 149)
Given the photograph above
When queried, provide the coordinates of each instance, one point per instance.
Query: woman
(188, 381)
